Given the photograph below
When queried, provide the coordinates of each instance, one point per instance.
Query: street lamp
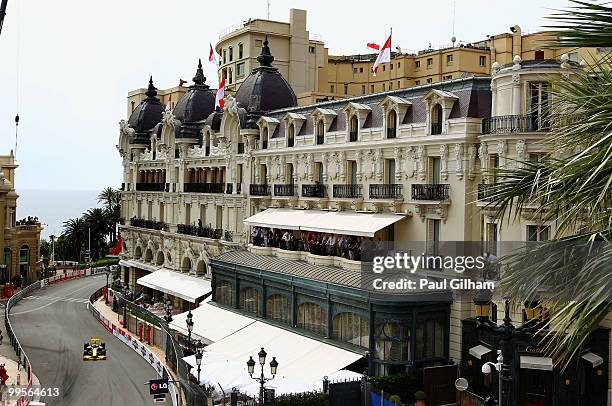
(189, 329)
(462, 385)
(198, 356)
(262, 379)
(482, 302)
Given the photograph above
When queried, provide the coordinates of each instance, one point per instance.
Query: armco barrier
(23, 359)
(134, 344)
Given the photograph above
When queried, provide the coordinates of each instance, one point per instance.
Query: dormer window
(264, 138)
(436, 120)
(394, 109)
(322, 120)
(320, 132)
(355, 115)
(391, 124)
(291, 136)
(354, 128)
(439, 107)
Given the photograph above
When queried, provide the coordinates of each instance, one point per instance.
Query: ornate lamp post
(507, 333)
(262, 379)
(198, 356)
(189, 329)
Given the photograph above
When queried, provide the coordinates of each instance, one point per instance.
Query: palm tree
(75, 231)
(97, 221)
(575, 191)
(111, 198)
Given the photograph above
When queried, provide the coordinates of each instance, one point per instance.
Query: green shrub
(402, 385)
(419, 395)
(396, 400)
(303, 399)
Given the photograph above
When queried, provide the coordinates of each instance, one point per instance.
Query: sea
(53, 207)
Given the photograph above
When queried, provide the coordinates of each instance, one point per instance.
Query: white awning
(177, 284)
(342, 222)
(137, 264)
(210, 323)
(479, 351)
(540, 363)
(593, 358)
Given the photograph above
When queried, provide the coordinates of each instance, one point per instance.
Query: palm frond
(585, 24)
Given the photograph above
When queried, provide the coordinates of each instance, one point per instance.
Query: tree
(573, 190)
(96, 220)
(75, 232)
(111, 198)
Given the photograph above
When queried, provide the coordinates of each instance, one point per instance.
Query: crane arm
(2, 13)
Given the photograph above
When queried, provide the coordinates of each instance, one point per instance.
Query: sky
(67, 65)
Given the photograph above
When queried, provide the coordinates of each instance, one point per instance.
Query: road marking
(60, 299)
(50, 303)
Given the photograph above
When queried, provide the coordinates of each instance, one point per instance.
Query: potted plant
(396, 400)
(420, 397)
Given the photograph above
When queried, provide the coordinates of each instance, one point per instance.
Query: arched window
(278, 307)
(291, 136)
(429, 339)
(350, 328)
(354, 128)
(264, 138)
(224, 293)
(391, 124)
(320, 132)
(312, 317)
(186, 265)
(436, 120)
(249, 300)
(392, 339)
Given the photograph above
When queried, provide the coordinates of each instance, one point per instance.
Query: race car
(94, 350)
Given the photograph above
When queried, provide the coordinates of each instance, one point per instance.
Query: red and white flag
(384, 55)
(211, 55)
(220, 94)
(373, 46)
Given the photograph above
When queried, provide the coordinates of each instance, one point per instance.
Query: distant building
(20, 238)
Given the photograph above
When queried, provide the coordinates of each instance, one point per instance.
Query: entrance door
(536, 387)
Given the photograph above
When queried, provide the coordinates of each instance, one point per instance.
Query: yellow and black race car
(94, 350)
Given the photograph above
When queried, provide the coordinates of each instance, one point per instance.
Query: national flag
(211, 55)
(384, 55)
(220, 94)
(373, 46)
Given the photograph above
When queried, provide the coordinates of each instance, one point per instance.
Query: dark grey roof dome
(146, 115)
(214, 119)
(265, 89)
(198, 102)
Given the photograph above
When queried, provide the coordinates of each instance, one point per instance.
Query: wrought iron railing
(150, 224)
(284, 190)
(350, 191)
(259, 190)
(197, 231)
(386, 191)
(430, 192)
(204, 187)
(152, 187)
(515, 124)
(316, 190)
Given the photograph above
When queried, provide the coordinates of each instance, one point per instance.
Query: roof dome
(265, 89)
(146, 115)
(195, 105)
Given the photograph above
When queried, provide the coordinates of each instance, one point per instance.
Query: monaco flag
(211, 55)
(220, 94)
(384, 55)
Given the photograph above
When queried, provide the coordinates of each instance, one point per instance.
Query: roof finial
(199, 77)
(265, 58)
(151, 91)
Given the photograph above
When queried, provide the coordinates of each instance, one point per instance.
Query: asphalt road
(52, 325)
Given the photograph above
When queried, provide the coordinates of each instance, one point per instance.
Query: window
(224, 73)
(224, 55)
(249, 300)
(354, 124)
(231, 54)
(491, 236)
(429, 62)
(429, 340)
(355, 70)
(447, 77)
(311, 50)
(392, 340)
(537, 157)
(539, 105)
(391, 65)
(429, 80)
(360, 70)
(278, 307)
(538, 233)
(259, 43)
(240, 51)
(391, 122)
(433, 236)
(399, 84)
(417, 64)
(436, 120)
(384, 67)
(230, 76)
(398, 65)
(350, 328)
(346, 88)
(240, 70)
(417, 82)
(383, 87)
(539, 55)
(449, 59)
(363, 89)
(224, 293)
(390, 85)
(320, 132)
(371, 88)
(312, 317)
(291, 136)
(8, 262)
(482, 61)
(332, 88)
(390, 168)
(264, 138)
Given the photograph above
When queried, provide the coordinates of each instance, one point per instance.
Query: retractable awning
(539, 363)
(176, 284)
(342, 222)
(479, 350)
(593, 358)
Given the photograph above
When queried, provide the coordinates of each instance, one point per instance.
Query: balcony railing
(438, 192)
(350, 191)
(259, 190)
(152, 187)
(353, 136)
(486, 191)
(150, 224)
(391, 133)
(436, 128)
(284, 190)
(205, 232)
(320, 139)
(386, 191)
(514, 124)
(316, 190)
(204, 187)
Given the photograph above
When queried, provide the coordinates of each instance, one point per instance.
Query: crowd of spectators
(29, 221)
(346, 246)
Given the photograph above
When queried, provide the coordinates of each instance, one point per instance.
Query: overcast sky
(67, 65)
